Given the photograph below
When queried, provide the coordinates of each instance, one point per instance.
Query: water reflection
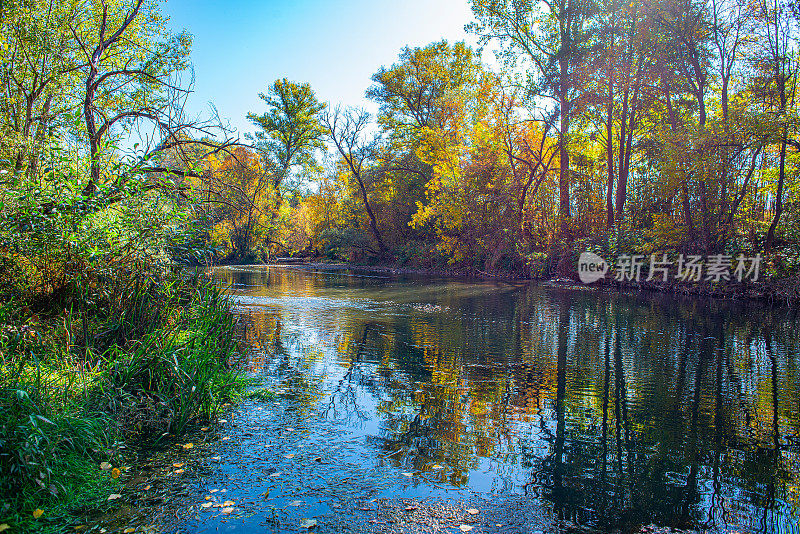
(616, 411)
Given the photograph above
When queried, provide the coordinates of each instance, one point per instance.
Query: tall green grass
(66, 407)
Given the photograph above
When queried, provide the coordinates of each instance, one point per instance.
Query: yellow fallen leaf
(208, 497)
(225, 438)
(289, 456)
(114, 496)
(228, 503)
(38, 513)
(295, 503)
(129, 530)
(188, 446)
(4, 526)
(465, 528)
(179, 464)
(207, 504)
(115, 473)
(473, 511)
(308, 523)
(147, 487)
(178, 471)
(227, 510)
(105, 466)
(204, 429)
(213, 490)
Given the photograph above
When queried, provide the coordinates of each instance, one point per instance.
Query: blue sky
(240, 46)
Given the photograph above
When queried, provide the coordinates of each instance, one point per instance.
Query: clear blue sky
(240, 46)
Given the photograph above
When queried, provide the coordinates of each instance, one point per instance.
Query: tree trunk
(778, 197)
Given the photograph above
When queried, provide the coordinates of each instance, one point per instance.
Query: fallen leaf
(115, 473)
(465, 528)
(411, 507)
(308, 523)
(147, 487)
(225, 438)
(208, 497)
(289, 456)
(290, 429)
(473, 511)
(223, 421)
(228, 503)
(38, 513)
(129, 530)
(437, 466)
(216, 457)
(114, 496)
(408, 474)
(213, 490)
(188, 446)
(273, 475)
(207, 504)
(204, 429)
(296, 503)
(179, 464)
(227, 510)
(178, 471)
(4, 526)
(105, 466)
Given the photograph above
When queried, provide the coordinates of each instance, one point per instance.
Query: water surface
(598, 410)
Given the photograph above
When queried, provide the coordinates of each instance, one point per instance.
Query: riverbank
(72, 413)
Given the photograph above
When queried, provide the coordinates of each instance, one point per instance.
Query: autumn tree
(555, 38)
(347, 130)
(290, 130)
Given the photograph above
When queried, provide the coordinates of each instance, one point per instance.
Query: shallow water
(544, 409)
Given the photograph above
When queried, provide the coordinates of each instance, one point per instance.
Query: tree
(555, 38)
(131, 67)
(779, 65)
(290, 130)
(346, 130)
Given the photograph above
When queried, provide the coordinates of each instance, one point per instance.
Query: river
(413, 404)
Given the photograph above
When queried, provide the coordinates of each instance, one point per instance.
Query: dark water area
(553, 409)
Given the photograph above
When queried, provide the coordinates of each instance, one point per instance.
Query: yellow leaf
(188, 446)
(105, 466)
(207, 504)
(38, 513)
(129, 530)
(227, 510)
(178, 471)
(4, 526)
(179, 464)
(115, 473)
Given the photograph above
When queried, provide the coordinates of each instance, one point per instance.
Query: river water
(413, 404)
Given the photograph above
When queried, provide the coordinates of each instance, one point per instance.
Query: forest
(661, 127)
(649, 128)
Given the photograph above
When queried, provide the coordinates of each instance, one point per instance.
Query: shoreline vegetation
(73, 414)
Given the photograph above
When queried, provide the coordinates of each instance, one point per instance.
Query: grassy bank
(68, 406)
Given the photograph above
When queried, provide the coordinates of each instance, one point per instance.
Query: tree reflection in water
(617, 410)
